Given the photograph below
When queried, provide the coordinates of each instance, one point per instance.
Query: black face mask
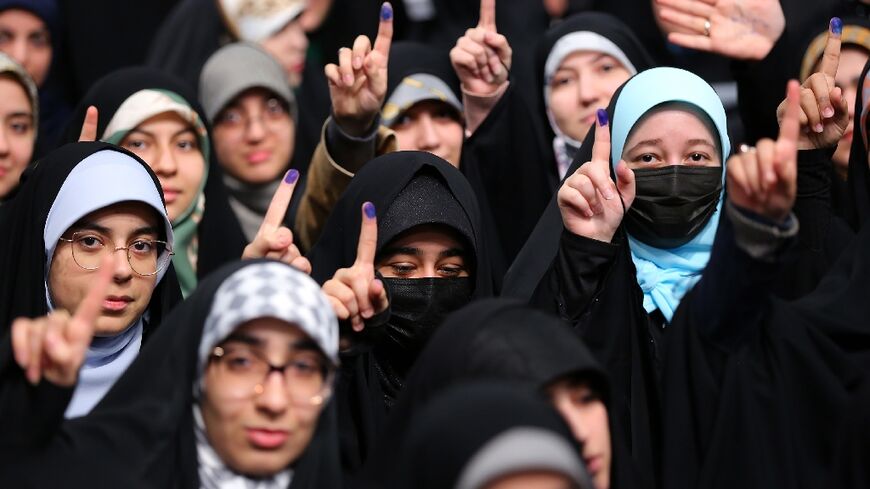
(418, 306)
(673, 204)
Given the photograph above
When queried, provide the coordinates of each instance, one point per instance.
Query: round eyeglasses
(242, 372)
(146, 256)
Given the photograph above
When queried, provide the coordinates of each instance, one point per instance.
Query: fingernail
(819, 128)
(837, 25)
(602, 117)
(828, 112)
(608, 194)
(386, 12)
(369, 209)
(357, 62)
(291, 176)
(348, 80)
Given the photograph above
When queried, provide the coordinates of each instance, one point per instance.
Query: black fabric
(144, 427)
(367, 382)
(858, 211)
(509, 159)
(220, 235)
(448, 432)
(493, 339)
(755, 396)
(197, 25)
(853, 451)
(22, 290)
(409, 58)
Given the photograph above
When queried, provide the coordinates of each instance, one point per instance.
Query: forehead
(579, 59)
(271, 331)
(852, 61)
(167, 120)
(429, 106)
(12, 95)
(434, 237)
(21, 20)
(671, 123)
(124, 214)
(251, 96)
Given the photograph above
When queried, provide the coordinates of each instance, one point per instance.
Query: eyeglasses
(242, 372)
(146, 256)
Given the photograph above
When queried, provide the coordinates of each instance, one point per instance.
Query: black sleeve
(580, 269)
(29, 415)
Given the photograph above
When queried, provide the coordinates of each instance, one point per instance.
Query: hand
(54, 346)
(89, 125)
(354, 292)
(358, 85)
(764, 179)
(273, 240)
(739, 29)
(482, 57)
(589, 201)
(824, 112)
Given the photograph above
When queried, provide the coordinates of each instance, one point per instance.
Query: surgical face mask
(673, 204)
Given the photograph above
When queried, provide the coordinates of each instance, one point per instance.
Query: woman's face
(671, 136)
(431, 126)
(115, 226)
(16, 133)
(852, 61)
(288, 46)
(586, 414)
(532, 480)
(25, 38)
(254, 137)
(260, 430)
(583, 83)
(171, 148)
(427, 252)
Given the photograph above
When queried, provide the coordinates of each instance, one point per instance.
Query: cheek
(66, 283)
(563, 103)
(21, 150)
(191, 171)
(451, 136)
(405, 139)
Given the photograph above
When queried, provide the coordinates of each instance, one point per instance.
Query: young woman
(80, 203)
(19, 116)
(234, 393)
(253, 114)
(466, 439)
(420, 245)
(503, 339)
(156, 117)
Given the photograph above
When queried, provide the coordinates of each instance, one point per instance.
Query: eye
(698, 157)
(444, 113)
(20, 127)
(647, 158)
(187, 144)
(306, 367)
(5, 37)
(89, 242)
(240, 360)
(142, 247)
(402, 269)
(229, 116)
(275, 107)
(39, 39)
(136, 145)
(450, 270)
(561, 80)
(403, 120)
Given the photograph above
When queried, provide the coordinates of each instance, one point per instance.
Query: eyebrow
(306, 344)
(701, 142)
(407, 250)
(645, 142)
(29, 115)
(92, 226)
(152, 135)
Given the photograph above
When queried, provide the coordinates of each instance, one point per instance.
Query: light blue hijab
(666, 275)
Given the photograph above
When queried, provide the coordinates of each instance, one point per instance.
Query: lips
(593, 464)
(257, 157)
(170, 195)
(265, 438)
(114, 303)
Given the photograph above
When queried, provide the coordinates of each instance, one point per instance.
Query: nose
(587, 91)
(18, 51)
(4, 142)
(255, 130)
(165, 163)
(123, 271)
(274, 398)
(427, 135)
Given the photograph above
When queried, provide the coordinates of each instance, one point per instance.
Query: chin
(259, 464)
(108, 326)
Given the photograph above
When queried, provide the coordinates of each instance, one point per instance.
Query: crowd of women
(545, 244)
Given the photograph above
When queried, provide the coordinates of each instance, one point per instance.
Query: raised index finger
(385, 31)
(368, 235)
(89, 125)
(81, 327)
(487, 15)
(831, 58)
(601, 147)
(789, 129)
(274, 217)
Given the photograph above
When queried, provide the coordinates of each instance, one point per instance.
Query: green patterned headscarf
(138, 108)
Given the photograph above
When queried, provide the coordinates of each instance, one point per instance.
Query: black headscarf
(220, 235)
(491, 339)
(459, 423)
(22, 285)
(144, 427)
(859, 169)
(368, 379)
(410, 58)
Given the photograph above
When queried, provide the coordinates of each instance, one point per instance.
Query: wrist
(356, 126)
